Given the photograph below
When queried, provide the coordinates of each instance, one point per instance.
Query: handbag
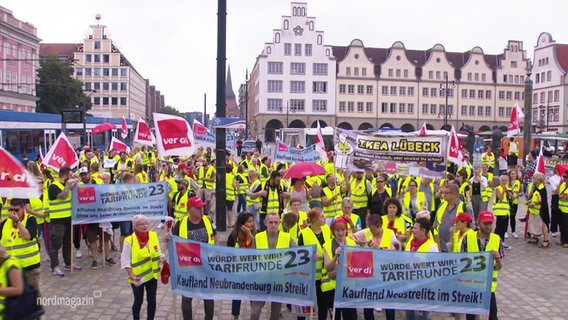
(24, 306)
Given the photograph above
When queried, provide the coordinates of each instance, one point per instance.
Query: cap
(183, 181)
(486, 216)
(337, 221)
(195, 202)
(463, 216)
(183, 166)
(83, 170)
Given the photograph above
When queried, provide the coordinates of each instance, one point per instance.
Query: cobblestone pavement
(530, 284)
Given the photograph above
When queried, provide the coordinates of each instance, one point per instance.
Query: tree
(57, 89)
(171, 110)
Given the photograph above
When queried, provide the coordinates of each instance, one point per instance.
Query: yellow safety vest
(509, 146)
(486, 193)
(209, 185)
(8, 264)
(359, 193)
(442, 209)
(535, 199)
(261, 240)
(37, 206)
(264, 170)
(27, 251)
(143, 177)
(145, 262)
(295, 230)
(243, 185)
(458, 240)
(230, 190)
(180, 201)
(5, 211)
(425, 247)
(334, 208)
(253, 187)
(420, 202)
(272, 205)
(310, 238)
(353, 217)
(60, 208)
(488, 159)
(563, 203)
(516, 189)
(493, 244)
(385, 242)
(501, 208)
(399, 223)
(327, 283)
(208, 228)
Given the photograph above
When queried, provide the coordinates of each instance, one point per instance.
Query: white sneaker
(515, 235)
(78, 254)
(506, 235)
(554, 234)
(160, 226)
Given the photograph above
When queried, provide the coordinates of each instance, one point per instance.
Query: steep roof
(58, 49)
(562, 56)
(229, 93)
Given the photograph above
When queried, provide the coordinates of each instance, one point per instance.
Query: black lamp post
(288, 109)
(445, 87)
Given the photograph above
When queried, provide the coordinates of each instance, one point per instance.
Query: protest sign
(285, 153)
(206, 271)
(119, 202)
(441, 282)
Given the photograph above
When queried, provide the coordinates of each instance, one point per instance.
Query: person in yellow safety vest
(488, 157)
(197, 227)
(375, 236)
(468, 167)
(420, 242)
(95, 173)
(295, 220)
(89, 156)
(11, 281)
(140, 258)
(264, 169)
(109, 162)
(331, 253)
(501, 207)
(353, 220)
(59, 195)
(515, 187)
(141, 175)
(539, 210)
(484, 240)
(271, 238)
(465, 188)
(19, 236)
(413, 200)
(317, 233)
(145, 158)
(272, 197)
(478, 185)
(513, 155)
(242, 179)
(180, 197)
(231, 186)
(253, 199)
(562, 192)
(360, 191)
(122, 166)
(395, 220)
(209, 182)
(462, 226)
(380, 193)
(449, 208)
(487, 193)
(5, 210)
(331, 197)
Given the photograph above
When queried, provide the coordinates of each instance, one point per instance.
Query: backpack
(24, 306)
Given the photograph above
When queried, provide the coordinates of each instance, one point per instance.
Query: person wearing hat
(488, 157)
(179, 200)
(485, 240)
(197, 227)
(462, 226)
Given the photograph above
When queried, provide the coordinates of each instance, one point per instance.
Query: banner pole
(174, 306)
(104, 249)
(71, 248)
(332, 313)
(312, 313)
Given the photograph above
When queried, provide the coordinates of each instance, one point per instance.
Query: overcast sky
(173, 42)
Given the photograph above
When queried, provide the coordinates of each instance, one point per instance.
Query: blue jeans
(416, 315)
(242, 203)
(236, 308)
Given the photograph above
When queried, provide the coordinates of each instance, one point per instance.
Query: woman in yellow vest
(242, 180)
(141, 175)
(514, 186)
(11, 281)
(413, 200)
(331, 253)
(375, 236)
(394, 220)
(253, 201)
(353, 220)
(318, 233)
(140, 258)
(460, 230)
(295, 220)
(501, 207)
(231, 186)
(242, 236)
(538, 208)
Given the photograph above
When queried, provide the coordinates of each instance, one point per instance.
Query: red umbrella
(303, 169)
(105, 126)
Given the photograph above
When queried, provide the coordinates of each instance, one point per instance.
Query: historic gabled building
(19, 47)
(292, 83)
(550, 85)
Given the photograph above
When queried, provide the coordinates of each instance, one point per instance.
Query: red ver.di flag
(174, 135)
(15, 180)
(143, 134)
(123, 129)
(118, 145)
(61, 154)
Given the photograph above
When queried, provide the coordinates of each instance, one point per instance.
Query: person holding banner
(140, 258)
(122, 166)
(197, 227)
(59, 195)
(272, 238)
(318, 233)
(460, 230)
(331, 253)
(353, 221)
(485, 240)
(109, 161)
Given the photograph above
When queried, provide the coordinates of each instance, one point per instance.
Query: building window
(105, 101)
(393, 91)
(106, 58)
(433, 92)
(123, 72)
(97, 101)
(274, 86)
(97, 45)
(87, 86)
(351, 89)
(405, 74)
(298, 104)
(364, 72)
(402, 91)
(97, 58)
(549, 75)
(464, 110)
(480, 111)
(87, 58)
(509, 95)
(87, 71)
(390, 73)
(513, 64)
(430, 75)
(433, 109)
(320, 87)
(518, 95)
(483, 77)
(450, 92)
(356, 71)
(320, 39)
(488, 111)
(542, 97)
(308, 49)
(97, 72)
(114, 72)
(535, 98)
(556, 95)
(464, 93)
(397, 73)
(425, 92)
(438, 75)
(123, 101)
(476, 76)
(369, 107)
(469, 76)
(78, 71)
(341, 106)
(516, 79)
(275, 67)
(342, 88)
(123, 86)
(360, 89)
(297, 49)
(472, 111)
(392, 107)
(348, 71)
(487, 94)
(401, 108)
(114, 101)
(105, 86)
(425, 108)
(501, 95)
(297, 68)
(319, 105)
(360, 106)
(297, 87)
(106, 72)
(472, 94)
(350, 106)
(411, 91)
(287, 49)
(320, 69)
(480, 94)
(114, 86)
(410, 108)
(508, 112)
(384, 107)
(369, 89)
(385, 90)
(450, 109)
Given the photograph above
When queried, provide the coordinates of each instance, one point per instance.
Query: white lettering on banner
(169, 140)
(59, 160)
(17, 177)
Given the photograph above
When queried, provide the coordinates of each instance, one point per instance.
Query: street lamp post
(84, 112)
(288, 109)
(445, 87)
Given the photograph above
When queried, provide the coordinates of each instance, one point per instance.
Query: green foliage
(170, 110)
(57, 89)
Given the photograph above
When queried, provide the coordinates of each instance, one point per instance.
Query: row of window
(97, 58)
(513, 78)
(297, 86)
(295, 105)
(356, 71)
(105, 86)
(318, 69)
(350, 89)
(431, 109)
(97, 72)
(556, 97)
(298, 49)
(540, 77)
(553, 113)
(105, 101)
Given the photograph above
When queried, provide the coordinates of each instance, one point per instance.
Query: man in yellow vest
(360, 191)
(449, 208)
(272, 197)
(485, 240)
(209, 182)
(562, 192)
(59, 196)
(488, 157)
(272, 238)
(18, 235)
(197, 227)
